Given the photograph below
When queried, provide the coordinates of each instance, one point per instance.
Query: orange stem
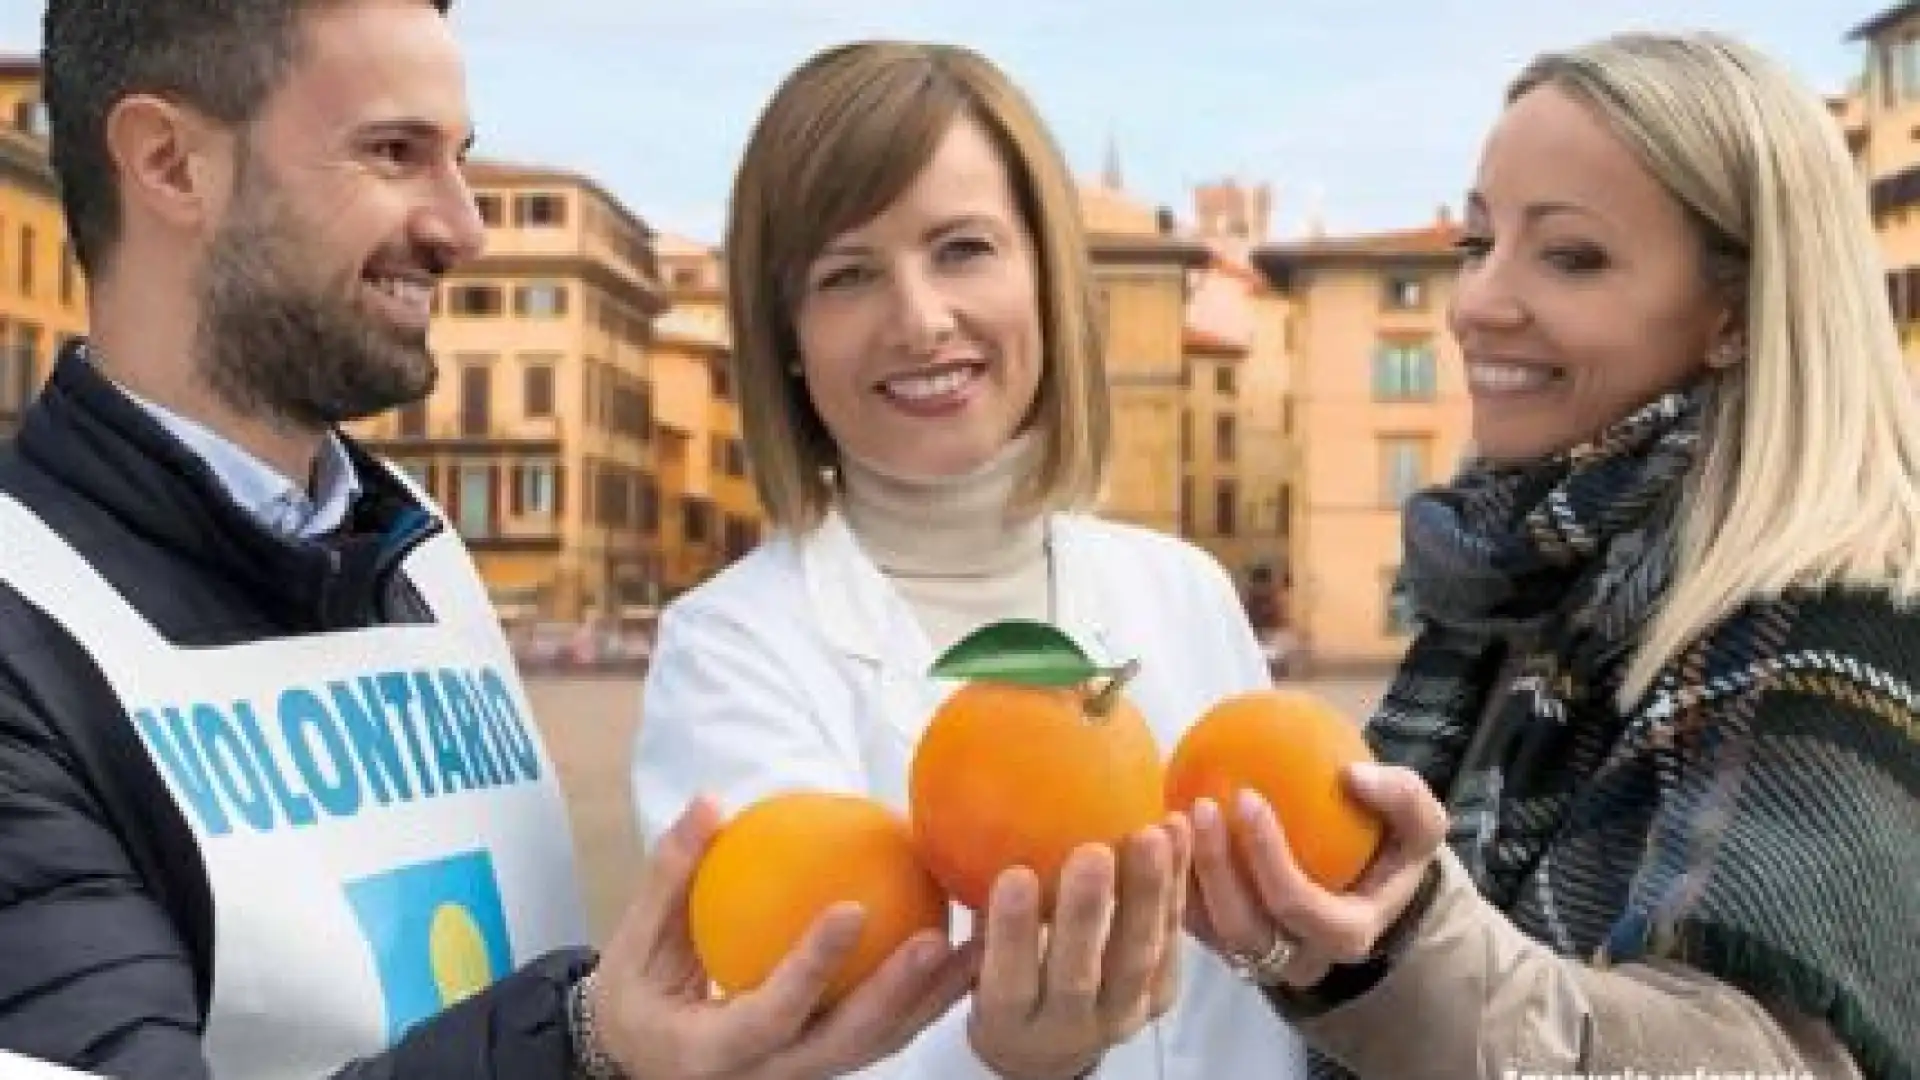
(1108, 696)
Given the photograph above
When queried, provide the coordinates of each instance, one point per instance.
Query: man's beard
(276, 345)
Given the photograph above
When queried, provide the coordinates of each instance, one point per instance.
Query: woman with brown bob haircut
(926, 412)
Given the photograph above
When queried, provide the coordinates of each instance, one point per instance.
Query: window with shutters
(1403, 466)
(534, 488)
(475, 301)
(412, 420)
(28, 241)
(696, 520)
(1225, 442)
(536, 391)
(69, 275)
(543, 300)
(612, 496)
(741, 535)
(476, 399)
(1404, 371)
(647, 517)
(540, 210)
(1226, 504)
(22, 374)
(1403, 292)
(478, 514)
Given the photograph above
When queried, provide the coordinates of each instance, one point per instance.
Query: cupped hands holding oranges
(1039, 800)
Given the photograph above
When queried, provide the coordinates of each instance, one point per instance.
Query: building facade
(539, 439)
(42, 292)
(712, 514)
(1142, 274)
(1379, 408)
(1879, 116)
(1237, 436)
(1142, 283)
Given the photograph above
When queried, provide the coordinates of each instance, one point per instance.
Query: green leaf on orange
(1025, 652)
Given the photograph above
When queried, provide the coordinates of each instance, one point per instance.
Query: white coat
(802, 667)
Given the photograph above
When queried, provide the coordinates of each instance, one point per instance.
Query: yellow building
(42, 292)
(1379, 408)
(711, 513)
(1142, 282)
(1879, 118)
(1141, 272)
(1236, 437)
(539, 440)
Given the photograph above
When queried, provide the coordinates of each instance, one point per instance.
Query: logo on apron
(437, 931)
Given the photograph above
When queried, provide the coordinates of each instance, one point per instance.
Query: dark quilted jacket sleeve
(94, 971)
(515, 1028)
(94, 974)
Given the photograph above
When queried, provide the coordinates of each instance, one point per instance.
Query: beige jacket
(1471, 996)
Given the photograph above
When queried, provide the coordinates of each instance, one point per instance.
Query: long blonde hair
(1807, 476)
(843, 137)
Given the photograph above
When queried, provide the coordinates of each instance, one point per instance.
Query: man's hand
(657, 1019)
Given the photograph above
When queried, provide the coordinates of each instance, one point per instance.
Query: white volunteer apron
(382, 828)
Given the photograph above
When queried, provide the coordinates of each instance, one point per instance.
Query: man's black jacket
(106, 924)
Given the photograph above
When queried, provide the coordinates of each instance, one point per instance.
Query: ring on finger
(1265, 969)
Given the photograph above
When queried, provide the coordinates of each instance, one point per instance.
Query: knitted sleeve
(1785, 856)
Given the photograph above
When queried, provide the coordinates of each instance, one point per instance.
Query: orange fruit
(775, 867)
(1293, 748)
(1020, 775)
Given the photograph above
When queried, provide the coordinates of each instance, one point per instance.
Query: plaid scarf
(1679, 828)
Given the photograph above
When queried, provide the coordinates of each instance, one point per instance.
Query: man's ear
(175, 165)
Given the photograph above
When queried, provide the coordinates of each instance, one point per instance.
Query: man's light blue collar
(273, 500)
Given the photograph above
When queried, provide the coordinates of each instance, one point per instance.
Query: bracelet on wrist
(1345, 982)
(590, 1058)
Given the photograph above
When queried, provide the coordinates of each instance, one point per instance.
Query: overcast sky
(1373, 109)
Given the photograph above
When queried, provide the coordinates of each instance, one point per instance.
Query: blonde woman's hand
(1260, 911)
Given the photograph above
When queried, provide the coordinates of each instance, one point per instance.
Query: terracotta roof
(1886, 20)
(1436, 239)
(1433, 246)
(693, 343)
(1198, 342)
(1151, 248)
(17, 65)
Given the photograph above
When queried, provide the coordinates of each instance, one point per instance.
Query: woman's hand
(1050, 1001)
(1277, 925)
(650, 994)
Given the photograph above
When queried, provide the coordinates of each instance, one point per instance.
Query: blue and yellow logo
(438, 934)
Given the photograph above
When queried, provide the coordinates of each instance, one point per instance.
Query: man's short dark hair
(222, 57)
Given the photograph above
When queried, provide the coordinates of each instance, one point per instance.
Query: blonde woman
(926, 413)
(1666, 682)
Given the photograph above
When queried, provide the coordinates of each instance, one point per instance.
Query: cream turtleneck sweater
(950, 546)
